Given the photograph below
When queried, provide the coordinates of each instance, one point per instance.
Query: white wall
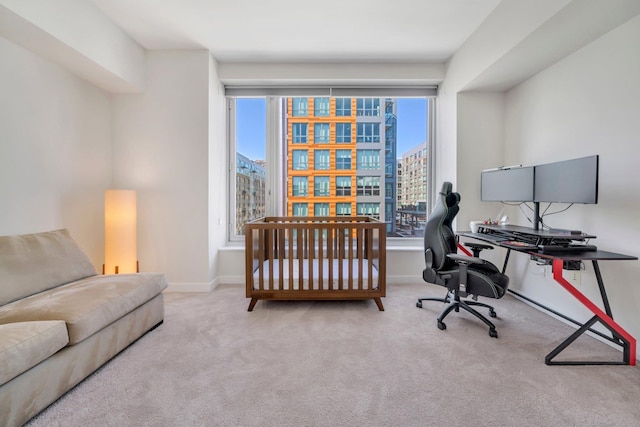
(161, 144)
(77, 36)
(587, 104)
(55, 150)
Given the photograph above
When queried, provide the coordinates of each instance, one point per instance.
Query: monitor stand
(537, 221)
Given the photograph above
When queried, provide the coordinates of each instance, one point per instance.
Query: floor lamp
(120, 251)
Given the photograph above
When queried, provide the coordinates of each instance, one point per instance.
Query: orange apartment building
(341, 157)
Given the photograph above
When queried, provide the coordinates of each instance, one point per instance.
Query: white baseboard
(231, 280)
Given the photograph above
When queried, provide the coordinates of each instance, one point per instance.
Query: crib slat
(311, 254)
(370, 256)
(300, 233)
(291, 257)
(261, 256)
(360, 256)
(320, 256)
(280, 257)
(330, 255)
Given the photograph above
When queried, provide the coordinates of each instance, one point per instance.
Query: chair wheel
(492, 313)
(493, 333)
(441, 325)
(419, 304)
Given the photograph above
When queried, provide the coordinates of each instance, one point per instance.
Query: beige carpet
(346, 364)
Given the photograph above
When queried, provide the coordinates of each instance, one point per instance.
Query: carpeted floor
(212, 363)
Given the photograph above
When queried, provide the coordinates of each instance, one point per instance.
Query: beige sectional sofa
(60, 320)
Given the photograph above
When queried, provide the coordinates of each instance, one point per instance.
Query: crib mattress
(313, 283)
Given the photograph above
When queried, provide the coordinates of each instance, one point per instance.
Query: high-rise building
(414, 178)
(250, 191)
(337, 149)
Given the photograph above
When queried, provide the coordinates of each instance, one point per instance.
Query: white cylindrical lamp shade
(120, 251)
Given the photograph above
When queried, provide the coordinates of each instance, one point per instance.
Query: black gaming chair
(462, 275)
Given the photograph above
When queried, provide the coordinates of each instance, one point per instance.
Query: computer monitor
(507, 185)
(569, 181)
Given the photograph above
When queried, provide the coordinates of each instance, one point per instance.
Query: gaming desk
(525, 240)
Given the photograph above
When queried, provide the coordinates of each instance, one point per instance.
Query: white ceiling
(381, 31)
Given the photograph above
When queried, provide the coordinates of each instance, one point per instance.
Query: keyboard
(567, 248)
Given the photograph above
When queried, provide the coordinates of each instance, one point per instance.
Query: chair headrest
(452, 199)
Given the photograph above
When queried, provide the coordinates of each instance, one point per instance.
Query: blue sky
(251, 124)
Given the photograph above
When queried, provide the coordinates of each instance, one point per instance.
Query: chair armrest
(463, 259)
(476, 248)
(480, 246)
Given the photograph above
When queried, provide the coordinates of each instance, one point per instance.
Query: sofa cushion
(23, 345)
(89, 304)
(32, 263)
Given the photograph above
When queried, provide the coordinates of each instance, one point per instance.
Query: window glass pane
(321, 107)
(368, 132)
(321, 186)
(343, 107)
(368, 186)
(368, 106)
(321, 133)
(368, 209)
(321, 160)
(300, 159)
(343, 186)
(300, 133)
(321, 209)
(300, 209)
(250, 172)
(343, 208)
(343, 159)
(300, 107)
(368, 159)
(343, 133)
(300, 186)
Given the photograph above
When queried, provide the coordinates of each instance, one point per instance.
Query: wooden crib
(314, 258)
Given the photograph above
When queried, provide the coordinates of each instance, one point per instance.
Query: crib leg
(252, 304)
(379, 303)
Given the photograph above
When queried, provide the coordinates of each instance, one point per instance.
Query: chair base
(454, 302)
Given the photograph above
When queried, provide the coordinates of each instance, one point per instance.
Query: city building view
(341, 158)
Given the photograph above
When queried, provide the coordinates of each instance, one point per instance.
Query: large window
(331, 156)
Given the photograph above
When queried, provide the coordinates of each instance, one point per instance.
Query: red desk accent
(603, 317)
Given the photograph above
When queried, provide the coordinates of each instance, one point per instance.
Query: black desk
(494, 235)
